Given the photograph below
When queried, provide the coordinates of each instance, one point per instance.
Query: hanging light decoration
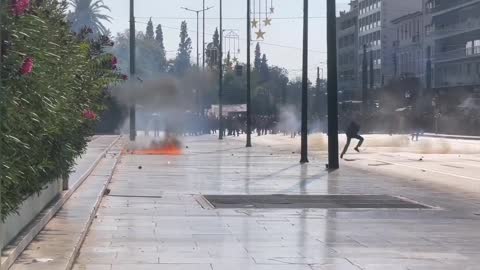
(254, 22)
(260, 33)
(267, 21)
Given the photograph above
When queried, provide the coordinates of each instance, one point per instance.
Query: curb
(453, 137)
(37, 225)
(84, 232)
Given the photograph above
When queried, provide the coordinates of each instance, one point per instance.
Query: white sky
(284, 36)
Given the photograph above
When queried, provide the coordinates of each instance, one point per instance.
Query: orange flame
(166, 151)
(169, 147)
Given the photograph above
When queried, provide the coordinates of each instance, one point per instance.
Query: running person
(352, 133)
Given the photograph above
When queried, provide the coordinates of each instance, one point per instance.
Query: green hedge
(43, 127)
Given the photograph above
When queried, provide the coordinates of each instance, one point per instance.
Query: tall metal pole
(133, 129)
(333, 161)
(364, 82)
(372, 72)
(198, 41)
(429, 69)
(203, 34)
(304, 140)
(220, 77)
(249, 77)
(197, 12)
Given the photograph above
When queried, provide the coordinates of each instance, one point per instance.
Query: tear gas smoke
(162, 104)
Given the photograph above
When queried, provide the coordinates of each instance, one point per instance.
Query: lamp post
(304, 139)
(333, 160)
(220, 77)
(203, 34)
(249, 79)
(198, 32)
(133, 131)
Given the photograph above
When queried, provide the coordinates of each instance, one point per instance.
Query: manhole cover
(313, 201)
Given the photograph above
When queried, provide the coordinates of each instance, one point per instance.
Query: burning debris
(170, 146)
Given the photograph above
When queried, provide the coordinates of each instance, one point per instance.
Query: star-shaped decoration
(260, 34)
(235, 59)
(254, 23)
(272, 10)
(267, 21)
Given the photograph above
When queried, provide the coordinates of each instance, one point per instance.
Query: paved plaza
(154, 216)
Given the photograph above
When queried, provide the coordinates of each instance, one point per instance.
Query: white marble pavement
(152, 220)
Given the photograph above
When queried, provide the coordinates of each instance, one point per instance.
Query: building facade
(409, 57)
(455, 31)
(347, 44)
(378, 35)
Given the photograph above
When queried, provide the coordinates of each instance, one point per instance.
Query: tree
(212, 51)
(228, 63)
(264, 71)
(258, 54)
(161, 45)
(149, 33)
(89, 14)
(150, 58)
(159, 37)
(182, 62)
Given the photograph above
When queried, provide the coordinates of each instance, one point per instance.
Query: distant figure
(417, 127)
(352, 132)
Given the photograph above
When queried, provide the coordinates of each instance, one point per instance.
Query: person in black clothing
(352, 133)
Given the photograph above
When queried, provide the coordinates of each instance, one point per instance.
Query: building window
(476, 46)
(469, 48)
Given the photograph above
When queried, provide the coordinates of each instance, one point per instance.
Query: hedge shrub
(48, 114)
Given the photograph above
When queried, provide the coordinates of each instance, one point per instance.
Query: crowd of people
(193, 124)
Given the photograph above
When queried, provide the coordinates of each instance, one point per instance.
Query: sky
(283, 39)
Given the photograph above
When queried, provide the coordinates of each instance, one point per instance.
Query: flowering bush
(19, 7)
(54, 85)
(27, 66)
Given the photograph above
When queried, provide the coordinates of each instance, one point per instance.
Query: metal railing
(451, 4)
(458, 54)
(469, 25)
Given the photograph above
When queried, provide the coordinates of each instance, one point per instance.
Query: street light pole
(198, 42)
(249, 79)
(333, 161)
(220, 77)
(203, 38)
(197, 12)
(304, 139)
(133, 131)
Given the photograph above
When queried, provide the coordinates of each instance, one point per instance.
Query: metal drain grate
(313, 201)
(134, 196)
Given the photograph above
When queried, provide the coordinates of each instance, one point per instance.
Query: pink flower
(20, 6)
(114, 60)
(89, 115)
(124, 77)
(27, 66)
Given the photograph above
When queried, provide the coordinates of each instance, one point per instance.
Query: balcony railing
(458, 54)
(451, 4)
(449, 30)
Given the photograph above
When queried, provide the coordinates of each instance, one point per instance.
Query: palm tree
(89, 13)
